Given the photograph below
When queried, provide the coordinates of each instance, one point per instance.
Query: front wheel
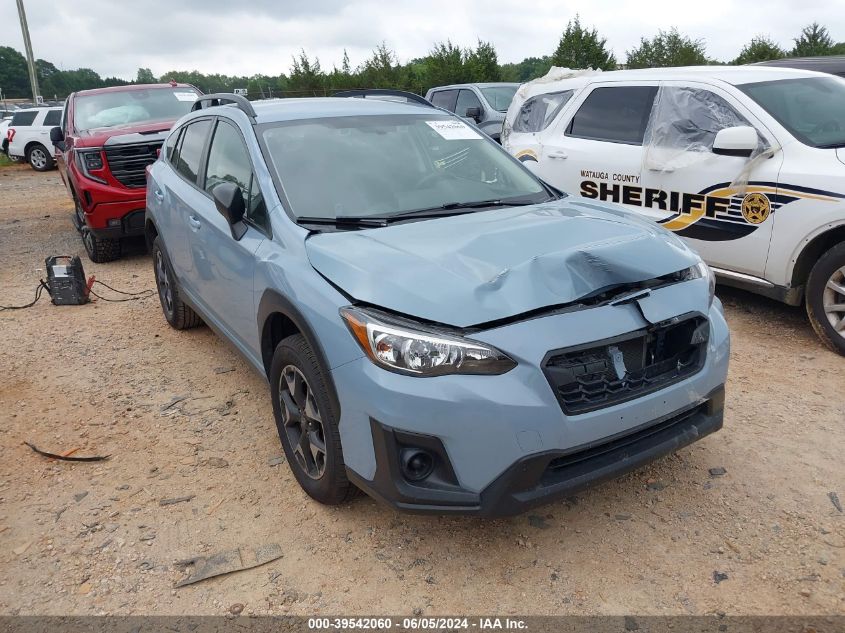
(100, 250)
(826, 298)
(307, 422)
(39, 158)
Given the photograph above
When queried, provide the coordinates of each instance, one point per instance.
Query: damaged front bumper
(499, 445)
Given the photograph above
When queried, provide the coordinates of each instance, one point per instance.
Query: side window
(467, 99)
(170, 145)
(538, 112)
(445, 99)
(23, 118)
(53, 118)
(614, 114)
(188, 160)
(228, 161)
(688, 119)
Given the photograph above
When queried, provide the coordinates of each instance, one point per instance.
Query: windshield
(812, 109)
(380, 166)
(109, 109)
(499, 97)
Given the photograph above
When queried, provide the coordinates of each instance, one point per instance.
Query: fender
(797, 267)
(273, 302)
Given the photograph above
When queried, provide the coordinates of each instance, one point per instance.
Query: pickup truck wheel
(307, 422)
(826, 298)
(100, 250)
(39, 158)
(178, 315)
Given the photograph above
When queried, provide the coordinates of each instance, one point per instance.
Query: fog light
(114, 222)
(417, 464)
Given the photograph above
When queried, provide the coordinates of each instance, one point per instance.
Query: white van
(745, 163)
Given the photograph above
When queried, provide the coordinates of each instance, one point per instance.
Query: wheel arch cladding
(811, 253)
(150, 233)
(278, 318)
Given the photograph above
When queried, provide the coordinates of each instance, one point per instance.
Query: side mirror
(736, 141)
(230, 203)
(474, 114)
(57, 137)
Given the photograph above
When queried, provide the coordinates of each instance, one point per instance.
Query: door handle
(558, 153)
(159, 195)
(194, 222)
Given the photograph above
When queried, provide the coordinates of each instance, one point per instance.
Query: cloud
(116, 38)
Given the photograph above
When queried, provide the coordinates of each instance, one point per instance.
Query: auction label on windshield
(453, 130)
(185, 96)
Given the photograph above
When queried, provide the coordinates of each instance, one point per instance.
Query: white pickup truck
(747, 164)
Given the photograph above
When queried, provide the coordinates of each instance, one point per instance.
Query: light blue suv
(438, 327)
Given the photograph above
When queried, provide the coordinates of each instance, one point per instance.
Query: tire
(100, 250)
(825, 298)
(39, 158)
(176, 312)
(78, 218)
(322, 477)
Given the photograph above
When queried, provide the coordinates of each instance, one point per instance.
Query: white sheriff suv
(29, 136)
(747, 164)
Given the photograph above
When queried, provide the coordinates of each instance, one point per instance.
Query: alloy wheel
(303, 422)
(833, 300)
(37, 158)
(165, 291)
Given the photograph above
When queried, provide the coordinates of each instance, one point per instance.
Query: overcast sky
(115, 37)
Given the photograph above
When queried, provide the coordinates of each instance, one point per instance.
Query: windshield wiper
(344, 220)
(832, 145)
(451, 207)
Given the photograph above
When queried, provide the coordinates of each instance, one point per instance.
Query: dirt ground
(181, 415)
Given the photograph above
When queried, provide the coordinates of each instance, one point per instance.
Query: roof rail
(385, 92)
(221, 98)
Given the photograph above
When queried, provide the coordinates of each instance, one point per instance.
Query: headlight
(701, 271)
(90, 160)
(416, 350)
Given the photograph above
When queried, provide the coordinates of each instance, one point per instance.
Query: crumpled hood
(479, 267)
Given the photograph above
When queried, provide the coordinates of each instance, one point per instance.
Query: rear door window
(188, 161)
(617, 114)
(445, 99)
(53, 118)
(23, 118)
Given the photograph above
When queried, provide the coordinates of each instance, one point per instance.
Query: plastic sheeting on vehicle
(544, 85)
(683, 125)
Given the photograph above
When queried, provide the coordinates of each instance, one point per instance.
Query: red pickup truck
(107, 138)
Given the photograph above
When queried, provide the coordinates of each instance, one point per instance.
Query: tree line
(445, 63)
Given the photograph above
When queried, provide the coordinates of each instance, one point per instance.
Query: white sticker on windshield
(185, 96)
(453, 130)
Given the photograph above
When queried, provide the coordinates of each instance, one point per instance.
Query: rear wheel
(178, 314)
(39, 158)
(307, 422)
(826, 298)
(100, 250)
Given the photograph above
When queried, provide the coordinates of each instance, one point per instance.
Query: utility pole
(30, 60)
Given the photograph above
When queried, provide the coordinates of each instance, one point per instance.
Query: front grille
(601, 374)
(128, 163)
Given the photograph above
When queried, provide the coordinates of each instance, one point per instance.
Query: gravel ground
(183, 416)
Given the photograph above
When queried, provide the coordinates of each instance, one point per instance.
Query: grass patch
(4, 160)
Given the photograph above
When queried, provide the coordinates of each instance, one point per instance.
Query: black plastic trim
(526, 483)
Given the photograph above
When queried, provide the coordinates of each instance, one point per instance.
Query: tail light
(10, 134)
